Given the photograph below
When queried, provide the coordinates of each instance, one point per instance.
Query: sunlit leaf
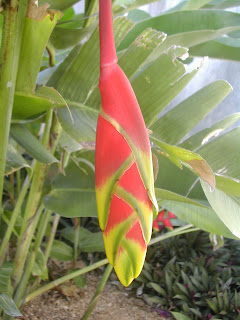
(226, 207)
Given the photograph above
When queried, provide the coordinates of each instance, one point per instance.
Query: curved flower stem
(96, 296)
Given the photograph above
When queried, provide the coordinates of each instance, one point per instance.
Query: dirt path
(115, 304)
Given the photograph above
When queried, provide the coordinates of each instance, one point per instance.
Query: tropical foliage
(49, 109)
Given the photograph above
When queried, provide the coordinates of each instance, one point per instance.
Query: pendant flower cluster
(124, 173)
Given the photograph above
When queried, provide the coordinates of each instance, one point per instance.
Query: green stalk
(91, 10)
(14, 216)
(96, 296)
(51, 238)
(42, 226)
(51, 285)
(76, 239)
(13, 24)
(66, 278)
(30, 261)
(174, 233)
(27, 228)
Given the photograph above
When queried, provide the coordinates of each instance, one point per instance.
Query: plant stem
(76, 239)
(30, 262)
(96, 296)
(51, 285)
(66, 278)
(91, 9)
(31, 208)
(174, 233)
(14, 216)
(13, 24)
(51, 238)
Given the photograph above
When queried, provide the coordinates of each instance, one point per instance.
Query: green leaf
(177, 122)
(226, 207)
(81, 68)
(79, 122)
(221, 48)
(195, 4)
(88, 241)
(203, 218)
(33, 47)
(14, 160)
(121, 6)
(73, 195)
(8, 305)
(227, 144)
(187, 28)
(155, 90)
(138, 15)
(197, 163)
(61, 251)
(162, 194)
(31, 144)
(39, 269)
(224, 4)
(68, 143)
(45, 99)
(80, 281)
(228, 185)
(59, 4)
(64, 37)
(5, 278)
(204, 136)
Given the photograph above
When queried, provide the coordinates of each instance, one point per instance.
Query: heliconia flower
(124, 172)
(165, 221)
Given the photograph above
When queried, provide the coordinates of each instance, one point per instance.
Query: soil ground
(115, 303)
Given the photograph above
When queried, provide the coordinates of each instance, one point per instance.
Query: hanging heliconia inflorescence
(124, 172)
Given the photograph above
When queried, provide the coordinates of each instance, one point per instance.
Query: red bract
(165, 221)
(124, 174)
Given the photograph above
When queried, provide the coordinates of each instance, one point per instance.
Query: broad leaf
(76, 76)
(61, 251)
(14, 160)
(8, 306)
(222, 154)
(187, 28)
(197, 163)
(204, 218)
(195, 4)
(159, 84)
(31, 144)
(79, 122)
(206, 135)
(73, 195)
(5, 278)
(59, 4)
(45, 99)
(177, 122)
(88, 241)
(64, 37)
(226, 207)
(221, 48)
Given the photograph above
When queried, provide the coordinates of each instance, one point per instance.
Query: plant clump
(184, 275)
